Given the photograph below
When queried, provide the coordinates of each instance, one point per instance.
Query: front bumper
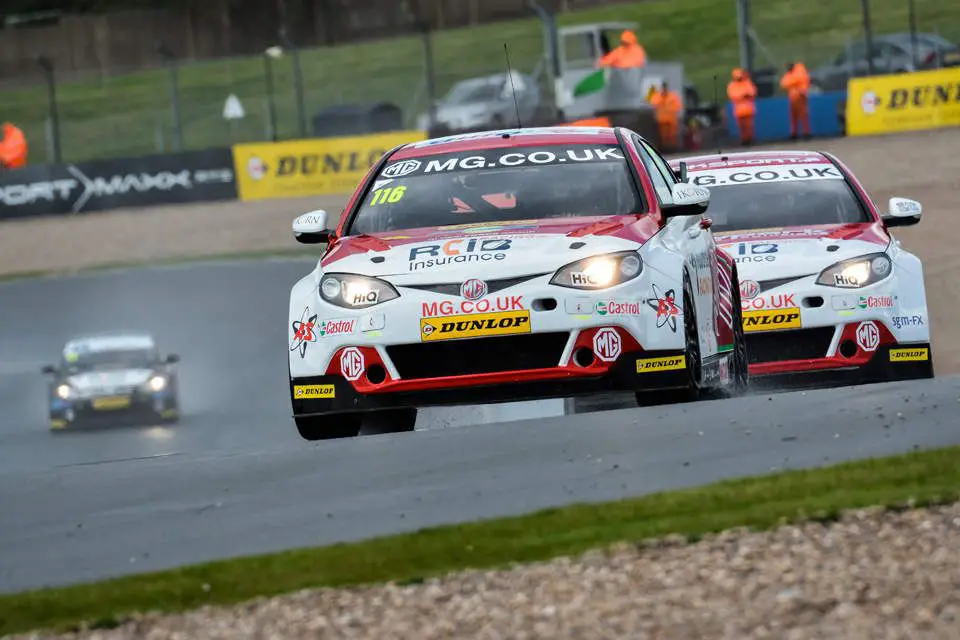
(632, 371)
(805, 332)
(819, 355)
(112, 409)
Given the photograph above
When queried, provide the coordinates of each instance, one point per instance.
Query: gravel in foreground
(874, 574)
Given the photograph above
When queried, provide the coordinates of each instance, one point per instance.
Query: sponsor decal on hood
(501, 250)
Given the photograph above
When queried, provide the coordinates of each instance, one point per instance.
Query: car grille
(453, 289)
(478, 355)
(798, 344)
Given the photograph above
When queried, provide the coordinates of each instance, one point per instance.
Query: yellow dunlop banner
(903, 102)
(312, 167)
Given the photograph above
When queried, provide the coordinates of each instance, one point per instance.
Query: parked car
(892, 53)
(485, 102)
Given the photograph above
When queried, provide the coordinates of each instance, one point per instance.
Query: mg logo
(351, 363)
(606, 344)
(868, 336)
(400, 169)
(749, 289)
(473, 289)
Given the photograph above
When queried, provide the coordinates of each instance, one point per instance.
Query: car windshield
(499, 185)
(108, 359)
(777, 196)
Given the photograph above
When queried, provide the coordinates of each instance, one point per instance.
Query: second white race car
(827, 292)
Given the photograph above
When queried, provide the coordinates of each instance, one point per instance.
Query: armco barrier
(903, 102)
(311, 167)
(773, 117)
(193, 176)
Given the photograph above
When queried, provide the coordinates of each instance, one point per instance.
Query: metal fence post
(171, 62)
(868, 35)
(912, 20)
(429, 73)
(47, 65)
(271, 106)
(743, 29)
(550, 38)
(289, 45)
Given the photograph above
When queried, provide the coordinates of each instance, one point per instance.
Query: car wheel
(328, 427)
(741, 359)
(692, 352)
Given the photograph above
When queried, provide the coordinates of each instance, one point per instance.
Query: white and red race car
(511, 265)
(827, 293)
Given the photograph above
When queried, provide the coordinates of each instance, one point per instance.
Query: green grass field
(131, 114)
(758, 502)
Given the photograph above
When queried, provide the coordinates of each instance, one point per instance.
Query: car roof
(507, 138)
(750, 159)
(109, 342)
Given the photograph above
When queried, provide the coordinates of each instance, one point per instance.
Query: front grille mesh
(453, 288)
(797, 344)
(478, 355)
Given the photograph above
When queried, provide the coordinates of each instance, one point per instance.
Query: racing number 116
(390, 195)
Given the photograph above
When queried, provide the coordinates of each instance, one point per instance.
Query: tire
(173, 405)
(329, 427)
(692, 391)
(741, 359)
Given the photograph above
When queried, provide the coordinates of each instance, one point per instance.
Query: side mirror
(48, 369)
(172, 358)
(682, 173)
(903, 212)
(311, 228)
(688, 200)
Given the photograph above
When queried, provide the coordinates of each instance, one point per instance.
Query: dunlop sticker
(314, 391)
(474, 325)
(910, 355)
(770, 319)
(668, 363)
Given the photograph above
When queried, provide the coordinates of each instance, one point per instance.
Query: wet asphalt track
(234, 478)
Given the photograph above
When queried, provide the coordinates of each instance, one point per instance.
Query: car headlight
(157, 383)
(857, 272)
(599, 272)
(355, 292)
(64, 391)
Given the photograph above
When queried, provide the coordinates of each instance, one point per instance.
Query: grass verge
(759, 502)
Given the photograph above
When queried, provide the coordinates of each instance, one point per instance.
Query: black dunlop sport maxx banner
(192, 176)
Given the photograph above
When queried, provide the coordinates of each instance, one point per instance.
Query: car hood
(108, 380)
(768, 254)
(487, 250)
